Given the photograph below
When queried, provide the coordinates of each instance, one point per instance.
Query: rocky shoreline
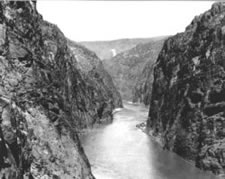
(143, 127)
(159, 140)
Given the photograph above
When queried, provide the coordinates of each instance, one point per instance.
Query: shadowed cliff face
(92, 67)
(126, 68)
(44, 99)
(142, 90)
(188, 104)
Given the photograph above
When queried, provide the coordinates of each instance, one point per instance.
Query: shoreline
(143, 127)
(158, 139)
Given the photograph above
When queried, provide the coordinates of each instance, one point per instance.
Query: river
(122, 151)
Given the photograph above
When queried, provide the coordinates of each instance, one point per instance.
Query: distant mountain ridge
(108, 49)
(126, 67)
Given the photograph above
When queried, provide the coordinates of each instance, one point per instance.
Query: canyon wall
(45, 98)
(187, 110)
(141, 91)
(91, 66)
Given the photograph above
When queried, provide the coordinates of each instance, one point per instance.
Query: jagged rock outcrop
(187, 108)
(92, 67)
(126, 68)
(44, 99)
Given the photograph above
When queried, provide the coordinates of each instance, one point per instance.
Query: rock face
(91, 67)
(188, 98)
(44, 99)
(108, 49)
(142, 90)
(126, 69)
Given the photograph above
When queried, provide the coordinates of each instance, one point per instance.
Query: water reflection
(121, 151)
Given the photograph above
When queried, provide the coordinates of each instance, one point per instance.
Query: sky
(110, 20)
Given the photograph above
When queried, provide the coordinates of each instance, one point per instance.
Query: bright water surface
(121, 151)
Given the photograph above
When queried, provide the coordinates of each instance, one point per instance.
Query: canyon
(129, 70)
(62, 113)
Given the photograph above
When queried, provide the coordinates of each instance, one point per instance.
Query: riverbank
(103, 122)
(158, 139)
(143, 127)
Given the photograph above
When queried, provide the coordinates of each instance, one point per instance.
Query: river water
(122, 151)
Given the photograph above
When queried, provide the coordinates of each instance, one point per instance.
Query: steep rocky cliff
(141, 92)
(126, 67)
(91, 66)
(44, 98)
(188, 98)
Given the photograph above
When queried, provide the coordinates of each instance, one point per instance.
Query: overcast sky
(108, 20)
